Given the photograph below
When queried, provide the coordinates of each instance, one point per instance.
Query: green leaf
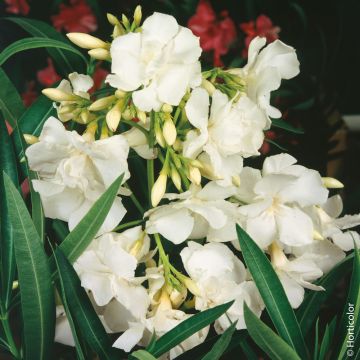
(79, 239)
(305, 105)
(272, 292)
(353, 299)
(310, 307)
(286, 126)
(7, 257)
(272, 142)
(273, 345)
(82, 310)
(10, 100)
(36, 43)
(37, 298)
(187, 328)
(327, 339)
(221, 344)
(142, 355)
(66, 62)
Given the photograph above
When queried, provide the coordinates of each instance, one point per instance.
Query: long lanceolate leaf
(350, 322)
(272, 292)
(79, 239)
(36, 43)
(7, 263)
(11, 104)
(37, 298)
(187, 328)
(82, 311)
(273, 345)
(309, 309)
(66, 62)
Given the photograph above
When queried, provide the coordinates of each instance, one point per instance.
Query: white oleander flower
(328, 223)
(220, 277)
(265, 70)
(231, 131)
(197, 213)
(275, 199)
(158, 64)
(74, 173)
(107, 268)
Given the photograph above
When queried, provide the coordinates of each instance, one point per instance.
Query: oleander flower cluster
(195, 131)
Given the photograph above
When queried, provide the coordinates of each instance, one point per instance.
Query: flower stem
(135, 201)
(129, 224)
(137, 126)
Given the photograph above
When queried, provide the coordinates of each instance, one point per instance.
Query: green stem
(150, 177)
(129, 224)
(135, 201)
(137, 126)
(9, 337)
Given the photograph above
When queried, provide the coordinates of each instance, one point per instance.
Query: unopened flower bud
(120, 94)
(167, 108)
(31, 139)
(169, 132)
(194, 175)
(127, 114)
(112, 19)
(175, 177)
(278, 258)
(317, 235)
(15, 284)
(84, 117)
(118, 31)
(63, 109)
(197, 164)
(332, 183)
(100, 54)
(86, 41)
(141, 116)
(191, 285)
(208, 86)
(125, 21)
(89, 134)
(159, 135)
(104, 131)
(59, 95)
(159, 188)
(178, 145)
(177, 297)
(113, 116)
(137, 15)
(102, 103)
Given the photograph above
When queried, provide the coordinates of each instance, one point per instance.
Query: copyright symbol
(350, 352)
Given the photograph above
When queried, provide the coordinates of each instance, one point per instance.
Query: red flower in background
(99, 77)
(75, 17)
(17, 7)
(48, 76)
(263, 26)
(215, 34)
(30, 94)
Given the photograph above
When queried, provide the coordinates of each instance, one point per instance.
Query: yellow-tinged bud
(178, 297)
(189, 304)
(141, 116)
(15, 285)
(197, 164)
(31, 139)
(118, 31)
(113, 116)
(164, 301)
(191, 285)
(112, 19)
(278, 258)
(150, 263)
(236, 180)
(120, 94)
(194, 175)
(175, 177)
(89, 134)
(127, 114)
(167, 108)
(332, 183)
(104, 131)
(84, 117)
(137, 15)
(159, 188)
(87, 41)
(178, 145)
(64, 109)
(169, 132)
(159, 135)
(59, 95)
(100, 54)
(317, 235)
(125, 21)
(102, 103)
(208, 86)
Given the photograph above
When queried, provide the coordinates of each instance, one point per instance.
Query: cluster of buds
(164, 127)
(124, 26)
(229, 82)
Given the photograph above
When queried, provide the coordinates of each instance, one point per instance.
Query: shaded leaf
(286, 126)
